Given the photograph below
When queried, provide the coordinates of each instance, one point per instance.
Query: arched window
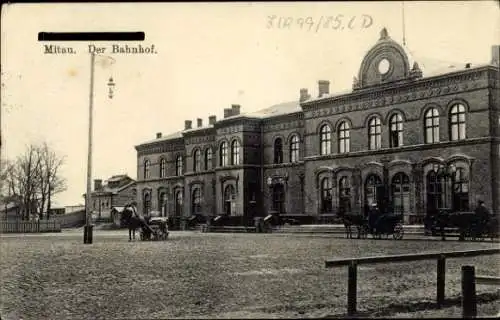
(208, 159)
(374, 190)
(375, 133)
(344, 138)
(163, 168)
(162, 204)
(432, 126)
(396, 131)
(400, 193)
(178, 166)
(278, 150)
(344, 195)
(294, 148)
(147, 169)
(229, 197)
(178, 203)
(460, 193)
(197, 160)
(196, 202)
(147, 203)
(279, 198)
(326, 195)
(325, 143)
(223, 154)
(235, 152)
(457, 122)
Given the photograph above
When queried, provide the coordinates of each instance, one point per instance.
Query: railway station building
(409, 141)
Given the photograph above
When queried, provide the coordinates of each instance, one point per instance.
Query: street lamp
(87, 230)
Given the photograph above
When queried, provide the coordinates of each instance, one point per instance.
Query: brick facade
(324, 178)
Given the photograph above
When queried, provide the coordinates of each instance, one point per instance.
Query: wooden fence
(20, 226)
(440, 257)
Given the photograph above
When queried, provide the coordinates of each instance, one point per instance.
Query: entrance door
(229, 195)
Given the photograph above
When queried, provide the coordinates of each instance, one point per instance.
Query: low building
(117, 191)
(412, 142)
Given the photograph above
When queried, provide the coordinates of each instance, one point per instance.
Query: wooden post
(441, 277)
(469, 302)
(352, 289)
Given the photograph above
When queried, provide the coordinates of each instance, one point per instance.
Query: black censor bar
(91, 36)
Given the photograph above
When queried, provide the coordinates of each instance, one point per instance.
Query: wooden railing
(20, 226)
(469, 281)
(440, 257)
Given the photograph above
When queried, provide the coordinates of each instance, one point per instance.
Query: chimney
(495, 55)
(212, 120)
(199, 122)
(158, 135)
(227, 112)
(187, 124)
(304, 95)
(323, 87)
(97, 184)
(467, 66)
(235, 109)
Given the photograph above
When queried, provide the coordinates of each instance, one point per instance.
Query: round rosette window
(383, 66)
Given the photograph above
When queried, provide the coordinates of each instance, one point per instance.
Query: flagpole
(87, 232)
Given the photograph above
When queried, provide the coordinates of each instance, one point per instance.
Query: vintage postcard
(249, 160)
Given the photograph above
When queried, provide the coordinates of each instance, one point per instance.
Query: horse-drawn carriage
(465, 225)
(155, 228)
(382, 226)
(152, 226)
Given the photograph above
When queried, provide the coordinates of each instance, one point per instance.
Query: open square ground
(200, 275)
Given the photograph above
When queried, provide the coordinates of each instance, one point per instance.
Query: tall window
(375, 133)
(178, 203)
(278, 150)
(344, 194)
(374, 190)
(344, 138)
(279, 198)
(196, 202)
(229, 196)
(197, 160)
(162, 205)
(400, 193)
(457, 122)
(223, 154)
(235, 152)
(432, 126)
(396, 131)
(163, 168)
(326, 195)
(147, 203)
(178, 166)
(460, 193)
(147, 169)
(435, 193)
(325, 143)
(208, 159)
(294, 148)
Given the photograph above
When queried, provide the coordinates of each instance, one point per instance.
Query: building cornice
(378, 96)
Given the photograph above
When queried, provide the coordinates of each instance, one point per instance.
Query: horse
(350, 220)
(132, 220)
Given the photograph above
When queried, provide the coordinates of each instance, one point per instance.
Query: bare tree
(50, 182)
(34, 178)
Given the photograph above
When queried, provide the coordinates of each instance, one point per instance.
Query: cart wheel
(398, 232)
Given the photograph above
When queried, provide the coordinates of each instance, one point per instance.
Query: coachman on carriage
(476, 225)
(376, 222)
(151, 227)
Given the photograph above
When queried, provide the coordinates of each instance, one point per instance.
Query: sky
(209, 56)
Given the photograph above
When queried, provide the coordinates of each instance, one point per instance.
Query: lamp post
(87, 230)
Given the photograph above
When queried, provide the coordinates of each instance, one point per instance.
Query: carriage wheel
(398, 232)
